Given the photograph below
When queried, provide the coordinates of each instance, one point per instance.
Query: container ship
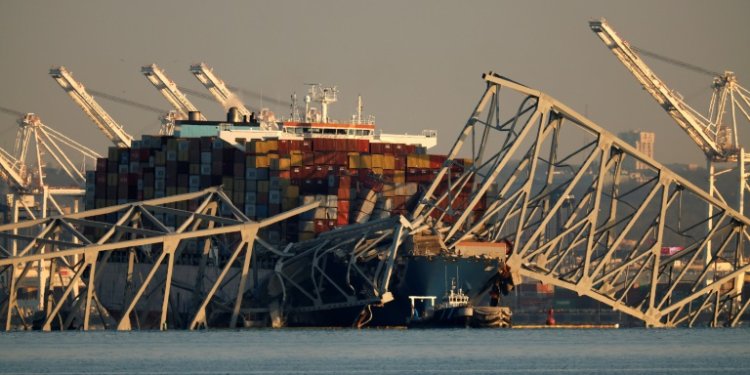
(356, 174)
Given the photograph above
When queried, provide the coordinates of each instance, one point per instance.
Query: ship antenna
(458, 284)
(445, 274)
(359, 109)
(295, 110)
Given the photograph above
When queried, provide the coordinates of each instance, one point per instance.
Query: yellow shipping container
(272, 145)
(292, 191)
(296, 159)
(261, 161)
(399, 176)
(365, 161)
(377, 161)
(354, 161)
(389, 162)
(377, 170)
(280, 164)
(412, 161)
(389, 190)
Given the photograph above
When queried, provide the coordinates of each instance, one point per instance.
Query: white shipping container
(331, 213)
(332, 201)
(307, 226)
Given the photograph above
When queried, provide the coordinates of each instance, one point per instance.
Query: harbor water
(370, 351)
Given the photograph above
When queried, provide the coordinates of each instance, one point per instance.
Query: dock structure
(557, 212)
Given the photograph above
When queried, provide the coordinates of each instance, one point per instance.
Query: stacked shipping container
(354, 180)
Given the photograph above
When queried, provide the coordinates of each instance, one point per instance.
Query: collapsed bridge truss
(567, 195)
(186, 261)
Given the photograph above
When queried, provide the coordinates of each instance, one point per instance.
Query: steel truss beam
(348, 267)
(577, 221)
(130, 230)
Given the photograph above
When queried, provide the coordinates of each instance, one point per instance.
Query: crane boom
(218, 88)
(12, 170)
(169, 89)
(111, 129)
(706, 134)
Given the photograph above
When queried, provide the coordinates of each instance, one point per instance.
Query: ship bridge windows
(363, 132)
(329, 131)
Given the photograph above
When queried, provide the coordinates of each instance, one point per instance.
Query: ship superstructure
(240, 128)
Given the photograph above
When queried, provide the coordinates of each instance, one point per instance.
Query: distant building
(643, 142)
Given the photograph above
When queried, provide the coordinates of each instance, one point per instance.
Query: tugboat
(453, 311)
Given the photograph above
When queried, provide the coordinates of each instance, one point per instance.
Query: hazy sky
(418, 64)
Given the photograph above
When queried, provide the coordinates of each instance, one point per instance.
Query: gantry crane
(718, 141)
(31, 195)
(12, 171)
(218, 88)
(36, 145)
(170, 90)
(111, 129)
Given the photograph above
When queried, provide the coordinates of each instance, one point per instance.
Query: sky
(417, 64)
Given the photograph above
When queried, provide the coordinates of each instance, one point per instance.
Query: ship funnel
(234, 115)
(194, 115)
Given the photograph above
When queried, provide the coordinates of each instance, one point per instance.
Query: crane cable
(676, 62)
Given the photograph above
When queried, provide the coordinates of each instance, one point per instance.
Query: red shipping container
(321, 225)
(285, 175)
(436, 161)
(345, 182)
(308, 172)
(341, 158)
(343, 207)
(306, 145)
(363, 145)
(344, 193)
(399, 202)
(342, 219)
(351, 145)
(296, 173)
(320, 172)
(399, 163)
(308, 158)
(388, 148)
(399, 149)
(376, 148)
(363, 174)
(323, 144)
(284, 146)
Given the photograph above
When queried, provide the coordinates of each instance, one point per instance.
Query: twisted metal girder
(77, 248)
(348, 267)
(564, 192)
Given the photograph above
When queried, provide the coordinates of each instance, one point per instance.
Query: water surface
(370, 351)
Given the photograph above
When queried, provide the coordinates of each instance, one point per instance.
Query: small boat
(453, 311)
